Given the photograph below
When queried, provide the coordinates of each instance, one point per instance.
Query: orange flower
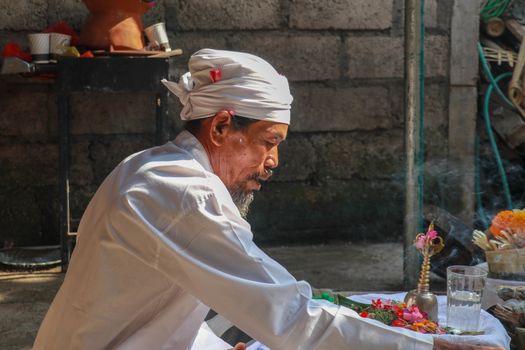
(517, 223)
(501, 222)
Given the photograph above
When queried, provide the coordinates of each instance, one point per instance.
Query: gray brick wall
(341, 167)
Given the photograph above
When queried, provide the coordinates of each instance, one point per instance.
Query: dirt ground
(26, 296)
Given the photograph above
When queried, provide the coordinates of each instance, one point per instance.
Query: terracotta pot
(114, 24)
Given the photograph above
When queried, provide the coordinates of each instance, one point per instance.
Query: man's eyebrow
(278, 136)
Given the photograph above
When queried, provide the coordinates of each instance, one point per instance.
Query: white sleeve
(209, 251)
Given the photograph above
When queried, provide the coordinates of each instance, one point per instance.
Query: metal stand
(109, 75)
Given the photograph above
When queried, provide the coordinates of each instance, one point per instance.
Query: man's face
(247, 158)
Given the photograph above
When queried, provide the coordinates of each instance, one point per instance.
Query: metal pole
(412, 129)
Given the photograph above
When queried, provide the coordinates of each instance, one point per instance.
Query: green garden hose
(499, 162)
(494, 8)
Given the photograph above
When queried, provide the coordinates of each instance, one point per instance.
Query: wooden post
(412, 131)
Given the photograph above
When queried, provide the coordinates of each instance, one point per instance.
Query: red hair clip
(215, 74)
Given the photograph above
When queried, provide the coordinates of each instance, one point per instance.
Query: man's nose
(272, 160)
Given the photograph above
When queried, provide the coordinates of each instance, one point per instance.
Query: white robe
(160, 243)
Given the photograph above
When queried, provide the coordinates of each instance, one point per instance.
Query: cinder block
(296, 159)
(318, 212)
(300, 57)
(190, 42)
(81, 165)
(106, 152)
(33, 164)
(341, 14)
(223, 14)
(23, 15)
(369, 155)
(112, 113)
(371, 57)
(320, 108)
(436, 104)
(431, 13)
(24, 114)
(73, 12)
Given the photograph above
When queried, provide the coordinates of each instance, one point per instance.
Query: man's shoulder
(168, 170)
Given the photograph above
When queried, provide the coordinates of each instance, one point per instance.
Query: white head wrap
(234, 81)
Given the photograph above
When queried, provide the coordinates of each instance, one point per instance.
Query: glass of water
(464, 290)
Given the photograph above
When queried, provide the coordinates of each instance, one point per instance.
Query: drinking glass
(464, 290)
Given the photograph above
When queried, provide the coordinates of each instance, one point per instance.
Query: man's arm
(440, 344)
(210, 253)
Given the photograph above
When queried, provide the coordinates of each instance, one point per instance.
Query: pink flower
(431, 235)
(412, 315)
(420, 242)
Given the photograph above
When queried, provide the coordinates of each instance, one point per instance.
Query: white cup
(157, 37)
(39, 47)
(57, 44)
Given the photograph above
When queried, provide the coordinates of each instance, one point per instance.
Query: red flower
(397, 323)
(364, 314)
(215, 74)
(377, 303)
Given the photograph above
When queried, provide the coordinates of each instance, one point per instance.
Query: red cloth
(87, 54)
(12, 49)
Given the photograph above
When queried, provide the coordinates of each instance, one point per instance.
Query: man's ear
(221, 126)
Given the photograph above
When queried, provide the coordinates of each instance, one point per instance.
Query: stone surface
(191, 42)
(107, 152)
(73, 12)
(436, 116)
(297, 158)
(155, 15)
(371, 57)
(81, 164)
(342, 266)
(342, 159)
(24, 300)
(341, 14)
(299, 57)
(323, 210)
(23, 15)
(223, 14)
(365, 155)
(100, 113)
(26, 114)
(32, 164)
(334, 108)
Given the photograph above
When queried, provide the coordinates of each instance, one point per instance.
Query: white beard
(242, 200)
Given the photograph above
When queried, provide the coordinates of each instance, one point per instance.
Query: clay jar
(114, 24)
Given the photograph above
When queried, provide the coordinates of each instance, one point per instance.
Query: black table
(108, 75)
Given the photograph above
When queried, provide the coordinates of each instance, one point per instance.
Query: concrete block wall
(342, 166)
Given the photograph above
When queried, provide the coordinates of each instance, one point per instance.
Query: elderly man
(164, 238)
